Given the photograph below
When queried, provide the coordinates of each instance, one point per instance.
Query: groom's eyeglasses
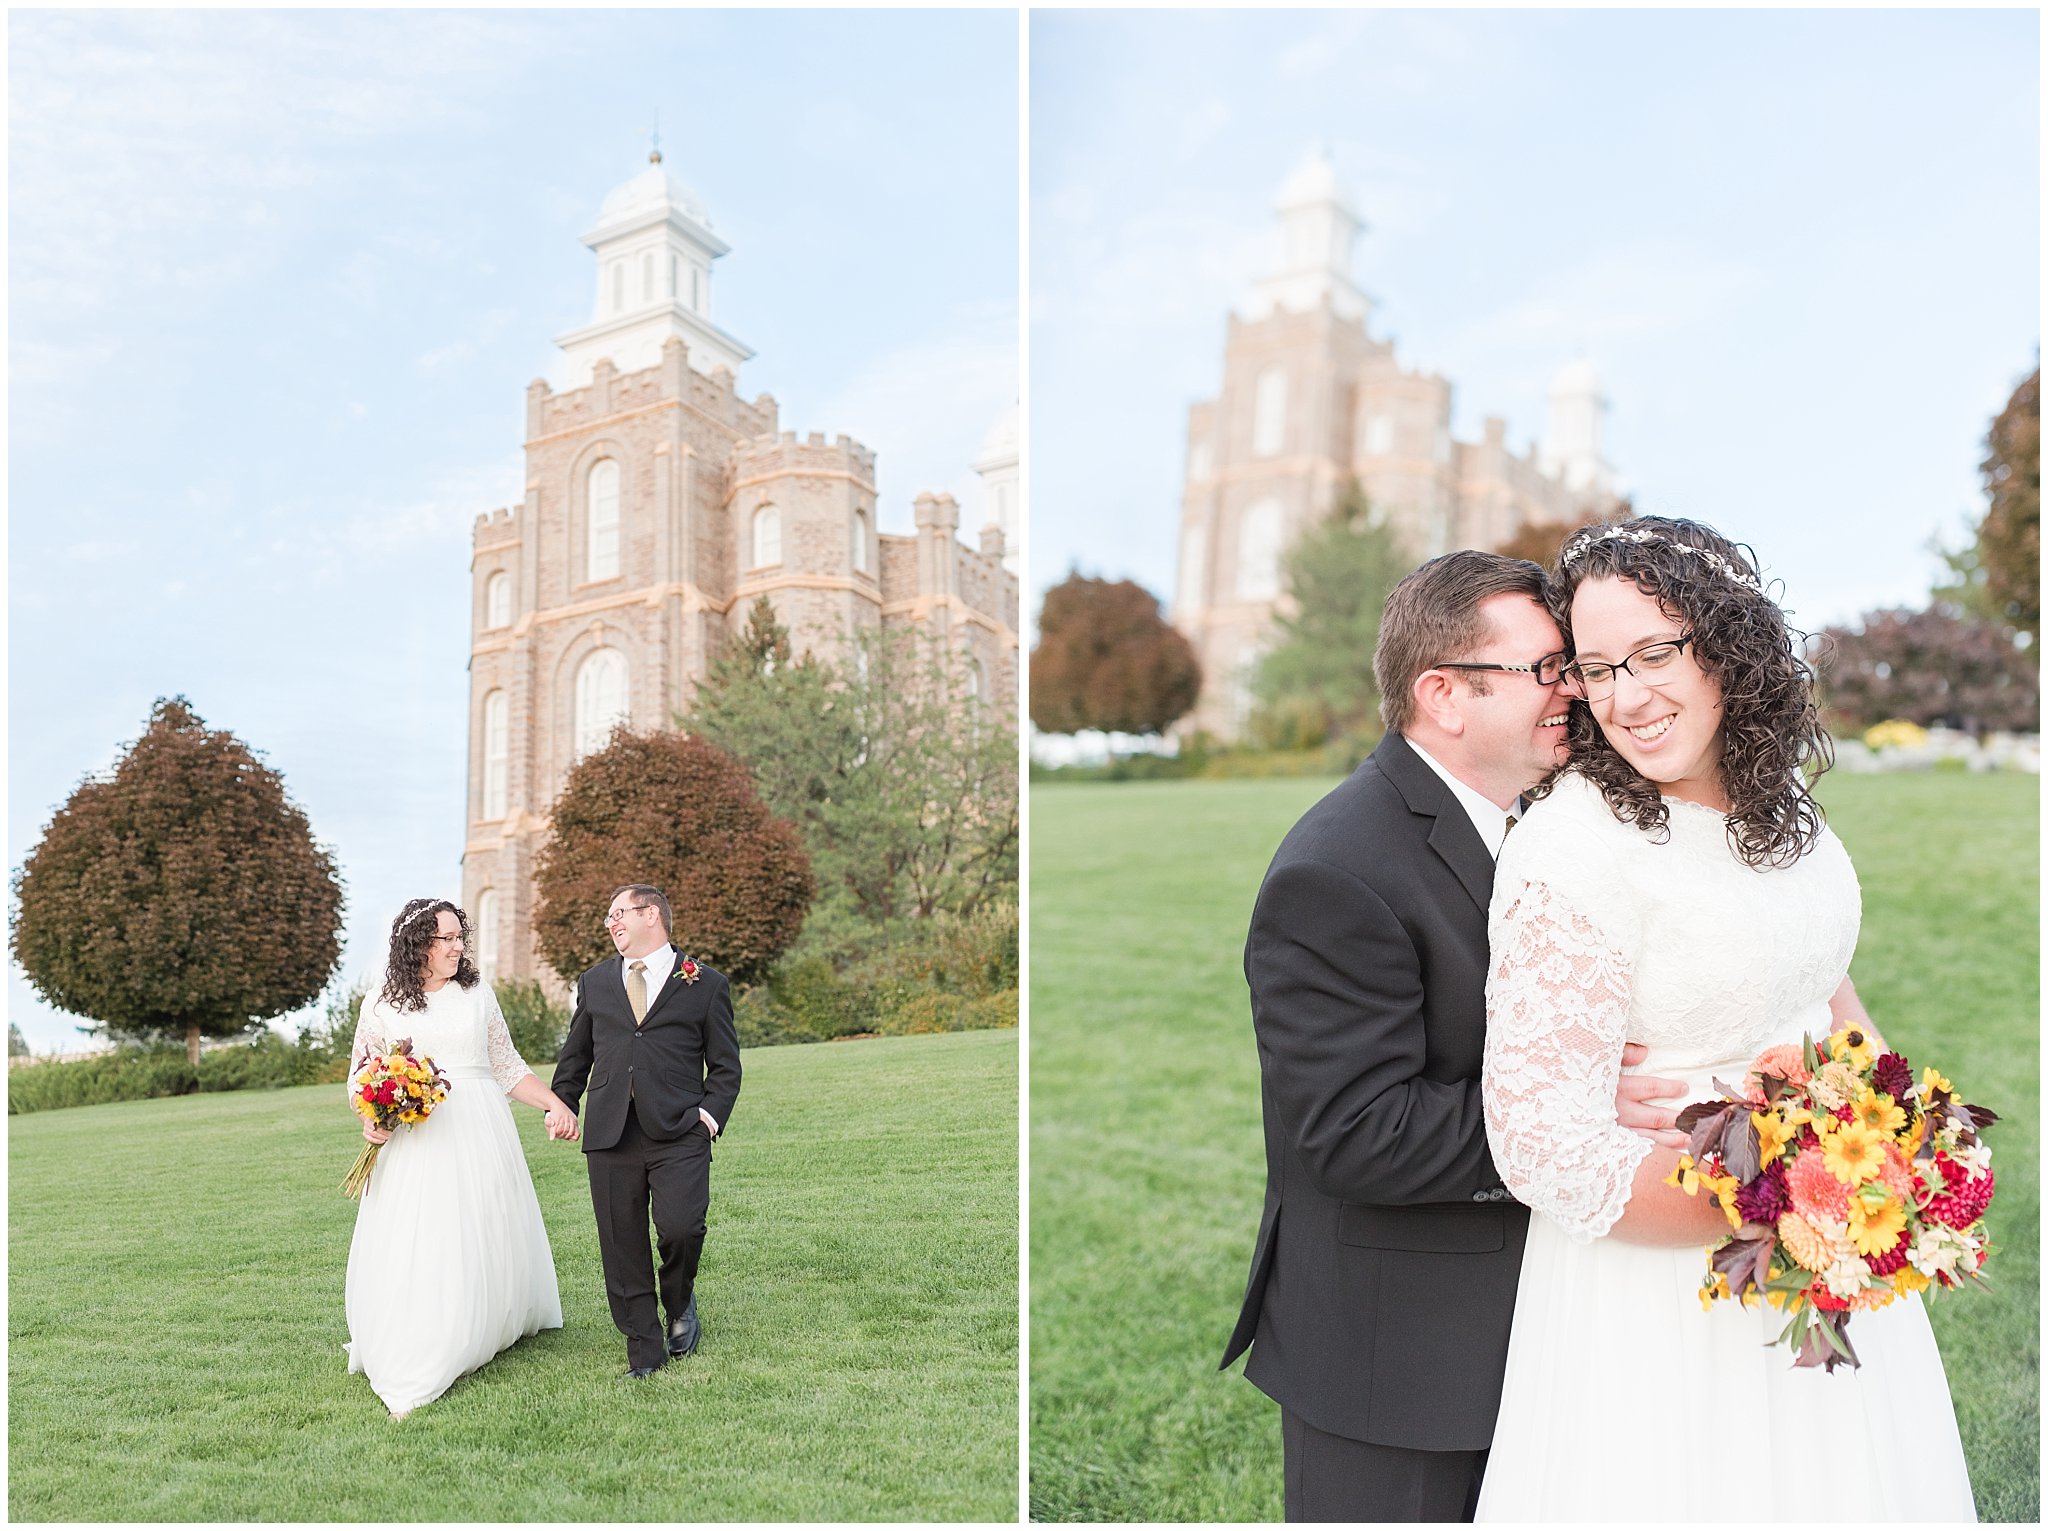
(618, 917)
(1547, 670)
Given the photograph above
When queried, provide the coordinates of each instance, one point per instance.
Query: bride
(1677, 886)
(450, 1263)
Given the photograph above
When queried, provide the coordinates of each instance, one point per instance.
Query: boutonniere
(688, 971)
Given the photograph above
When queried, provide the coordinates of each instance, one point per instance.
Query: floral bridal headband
(1643, 535)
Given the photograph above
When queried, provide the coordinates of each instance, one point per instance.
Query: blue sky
(1801, 247)
(277, 283)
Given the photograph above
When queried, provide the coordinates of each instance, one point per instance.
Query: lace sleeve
(369, 1039)
(507, 1067)
(1556, 1019)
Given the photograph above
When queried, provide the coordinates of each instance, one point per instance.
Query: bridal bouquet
(1847, 1183)
(391, 1090)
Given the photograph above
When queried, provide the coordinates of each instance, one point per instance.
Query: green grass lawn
(1147, 1168)
(175, 1317)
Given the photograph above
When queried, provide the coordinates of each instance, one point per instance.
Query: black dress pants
(627, 1180)
(1332, 1477)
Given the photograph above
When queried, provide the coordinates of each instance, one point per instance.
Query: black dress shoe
(684, 1331)
(647, 1371)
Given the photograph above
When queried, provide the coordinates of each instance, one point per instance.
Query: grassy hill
(175, 1317)
(1146, 1161)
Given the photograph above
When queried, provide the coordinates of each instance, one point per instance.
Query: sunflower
(1852, 1046)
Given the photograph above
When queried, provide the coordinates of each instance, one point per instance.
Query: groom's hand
(562, 1124)
(1635, 1093)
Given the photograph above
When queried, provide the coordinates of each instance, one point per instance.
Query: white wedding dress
(1623, 1399)
(450, 1262)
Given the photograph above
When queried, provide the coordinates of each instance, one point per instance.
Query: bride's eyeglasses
(1594, 679)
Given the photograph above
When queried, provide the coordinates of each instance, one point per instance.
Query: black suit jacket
(1384, 1276)
(684, 1054)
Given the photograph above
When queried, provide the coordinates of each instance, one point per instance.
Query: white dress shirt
(1488, 817)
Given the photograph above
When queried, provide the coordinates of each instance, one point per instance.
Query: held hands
(562, 1124)
(1633, 1097)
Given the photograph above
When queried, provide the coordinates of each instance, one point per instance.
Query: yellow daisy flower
(1876, 1110)
(1906, 1281)
(1855, 1153)
(1683, 1176)
(1931, 1080)
(1875, 1221)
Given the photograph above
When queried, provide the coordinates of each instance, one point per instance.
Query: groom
(653, 1035)
(1384, 1276)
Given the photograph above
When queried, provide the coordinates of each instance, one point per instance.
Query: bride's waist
(1700, 1065)
(456, 1071)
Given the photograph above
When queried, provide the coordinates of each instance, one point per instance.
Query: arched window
(1194, 560)
(767, 537)
(1258, 552)
(497, 754)
(602, 545)
(860, 542)
(976, 689)
(1200, 461)
(601, 699)
(1269, 412)
(498, 600)
(487, 932)
(671, 276)
(696, 290)
(647, 276)
(618, 285)
(1379, 435)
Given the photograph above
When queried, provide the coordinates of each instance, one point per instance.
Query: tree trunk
(192, 1043)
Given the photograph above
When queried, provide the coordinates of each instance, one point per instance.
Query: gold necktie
(1513, 819)
(636, 990)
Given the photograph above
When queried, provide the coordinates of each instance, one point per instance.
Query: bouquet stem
(358, 1176)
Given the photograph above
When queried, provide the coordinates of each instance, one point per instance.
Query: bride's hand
(375, 1133)
(562, 1124)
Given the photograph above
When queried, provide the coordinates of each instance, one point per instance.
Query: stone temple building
(1310, 401)
(660, 504)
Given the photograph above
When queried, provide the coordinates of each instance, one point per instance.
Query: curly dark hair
(1773, 747)
(412, 936)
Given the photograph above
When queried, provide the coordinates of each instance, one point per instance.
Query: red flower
(1825, 1300)
(688, 970)
(1965, 1199)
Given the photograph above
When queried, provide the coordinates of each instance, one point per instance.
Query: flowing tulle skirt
(450, 1262)
(1624, 1401)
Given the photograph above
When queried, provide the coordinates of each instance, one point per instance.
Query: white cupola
(997, 464)
(1572, 433)
(654, 246)
(1313, 247)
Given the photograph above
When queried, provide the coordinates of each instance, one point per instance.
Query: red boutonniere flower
(688, 971)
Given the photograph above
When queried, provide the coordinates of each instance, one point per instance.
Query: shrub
(268, 1062)
(538, 1024)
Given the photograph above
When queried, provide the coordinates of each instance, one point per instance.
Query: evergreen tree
(179, 895)
(903, 789)
(1316, 681)
(17, 1044)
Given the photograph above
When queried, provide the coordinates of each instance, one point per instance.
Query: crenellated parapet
(771, 455)
(498, 529)
(611, 392)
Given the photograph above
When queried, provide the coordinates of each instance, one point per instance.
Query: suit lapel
(1453, 837)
